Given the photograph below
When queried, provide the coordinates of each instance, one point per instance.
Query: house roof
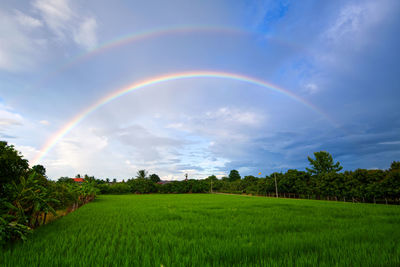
(78, 179)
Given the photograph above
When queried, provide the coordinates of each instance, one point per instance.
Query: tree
(26, 196)
(155, 178)
(142, 186)
(395, 166)
(212, 178)
(65, 180)
(141, 174)
(323, 163)
(234, 175)
(89, 178)
(12, 165)
(391, 184)
(118, 188)
(39, 169)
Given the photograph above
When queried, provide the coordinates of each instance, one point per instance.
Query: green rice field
(214, 230)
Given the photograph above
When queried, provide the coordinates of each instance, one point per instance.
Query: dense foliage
(214, 230)
(27, 196)
(322, 181)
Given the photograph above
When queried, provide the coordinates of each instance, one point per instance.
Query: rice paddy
(214, 230)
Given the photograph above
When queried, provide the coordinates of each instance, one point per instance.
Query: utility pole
(276, 186)
(211, 187)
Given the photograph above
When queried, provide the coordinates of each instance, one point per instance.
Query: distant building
(78, 180)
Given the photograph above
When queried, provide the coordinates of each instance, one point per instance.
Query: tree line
(323, 180)
(27, 196)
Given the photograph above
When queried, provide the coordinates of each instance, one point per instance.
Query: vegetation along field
(214, 230)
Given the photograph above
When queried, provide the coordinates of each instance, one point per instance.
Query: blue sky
(341, 56)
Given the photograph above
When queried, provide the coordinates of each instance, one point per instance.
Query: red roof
(78, 179)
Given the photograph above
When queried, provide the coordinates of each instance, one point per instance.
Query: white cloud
(390, 143)
(145, 147)
(348, 22)
(176, 125)
(80, 151)
(28, 152)
(224, 123)
(23, 37)
(355, 21)
(56, 13)
(8, 117)
(27, 21)
(107, 152)
(351, 31)
(67, 22)
(234, 115)
(85, 35)
(44, 122)
(311, 88)
(19, 49)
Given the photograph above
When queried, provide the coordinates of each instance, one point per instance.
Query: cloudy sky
(59, 57)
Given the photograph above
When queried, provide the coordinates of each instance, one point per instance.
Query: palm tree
(141, 174)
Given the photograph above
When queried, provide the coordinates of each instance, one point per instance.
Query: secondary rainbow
(139, 36)
(161, 79)
(155, 33)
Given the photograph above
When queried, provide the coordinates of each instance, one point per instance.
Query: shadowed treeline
(321, 181)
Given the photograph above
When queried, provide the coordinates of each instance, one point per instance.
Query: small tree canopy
(12, 165)
(323, 163)
(141, 174)
(395, 166)
(234, 175)
(212, 178)
(39, 169)
(154, 178)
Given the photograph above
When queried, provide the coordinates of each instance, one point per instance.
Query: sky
(328, 72)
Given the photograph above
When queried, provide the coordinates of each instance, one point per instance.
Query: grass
(214, 230)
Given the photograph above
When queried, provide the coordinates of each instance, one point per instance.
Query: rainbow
(140, 36)
(154, 33)
(157, 32)
(161, 79)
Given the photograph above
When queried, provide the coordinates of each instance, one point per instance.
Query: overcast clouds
(341, 56)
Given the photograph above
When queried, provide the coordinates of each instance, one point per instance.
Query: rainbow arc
(55, 138)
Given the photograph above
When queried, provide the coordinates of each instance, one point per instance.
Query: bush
(12, 230)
